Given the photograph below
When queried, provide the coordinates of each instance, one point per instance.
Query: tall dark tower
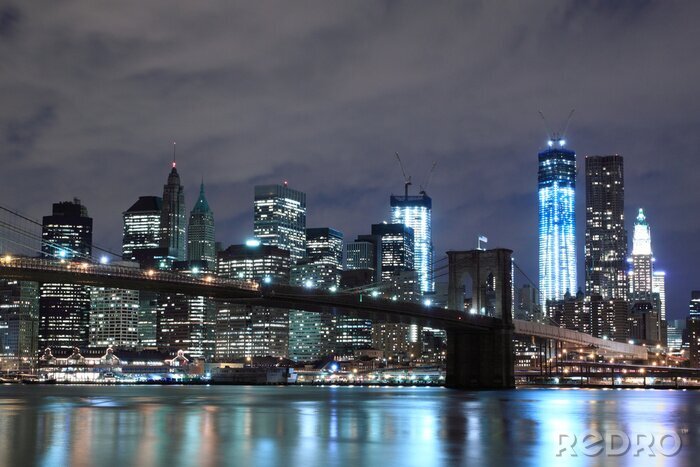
(64, 308)
(200, 233)
(173, 219)
(606, 237)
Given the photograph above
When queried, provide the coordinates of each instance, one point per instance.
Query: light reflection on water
(333, 426)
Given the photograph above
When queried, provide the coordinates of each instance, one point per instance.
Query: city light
(427, 302)
(253, 242)
(267, 280)
(333, 289)
(104, 260)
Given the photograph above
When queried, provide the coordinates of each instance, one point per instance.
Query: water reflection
(308, 426)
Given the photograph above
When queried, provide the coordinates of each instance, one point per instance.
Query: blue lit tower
(557, 221)
(416, 212)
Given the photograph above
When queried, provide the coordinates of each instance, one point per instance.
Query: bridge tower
(481, 360)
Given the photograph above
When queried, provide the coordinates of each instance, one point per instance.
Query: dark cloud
(9, 19)
(323, 93)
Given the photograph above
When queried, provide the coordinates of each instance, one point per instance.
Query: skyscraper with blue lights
(416, 212)
(557, 221)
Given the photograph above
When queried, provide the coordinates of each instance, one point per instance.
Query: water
(328, 426)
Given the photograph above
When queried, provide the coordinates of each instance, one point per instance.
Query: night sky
(322, 94)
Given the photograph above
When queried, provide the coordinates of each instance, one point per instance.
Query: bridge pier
(480, 360)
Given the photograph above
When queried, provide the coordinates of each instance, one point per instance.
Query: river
(337, 426)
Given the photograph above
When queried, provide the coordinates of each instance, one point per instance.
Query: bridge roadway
(245, 292)
(479, 348)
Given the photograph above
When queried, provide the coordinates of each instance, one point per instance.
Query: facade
(658, 287)
(676, 329)
(201, 242)
(609, 318)
(693, 329)
(141, 226)
(19, 319)
(606, 237)
(173, 220)
(416, 212)
(363, 254)
(64, 308)
(324, 245)
(557, 222)
(148, 319)
(280, 219)
(250, 331)
(396, 249)
(114, 318)
(312, 335)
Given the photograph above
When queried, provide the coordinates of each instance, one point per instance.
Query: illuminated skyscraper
(141, 226)
(201, 244)
(658, 286)
(416, 212)
(173, 220)
(311, 335)
(280, 219)
(244, 330)
(19, 319)
(641, 274)
(557, 222)
(606, 237)
(64, 308)
(114, 318)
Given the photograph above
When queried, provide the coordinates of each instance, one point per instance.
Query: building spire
(174, 153)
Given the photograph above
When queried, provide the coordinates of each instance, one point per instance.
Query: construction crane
(424, 187)
(406, 179)
(555, 136)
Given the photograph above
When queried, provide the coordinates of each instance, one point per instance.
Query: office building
(114, 318)
(19, 319)
(64, 308)
(249, 331)
(173, 220)
(693, 329)
(557, 221)
(606, 237)
(141, 226)
(658, 287)
(312, 335)
(416, 213)
(280, 219)
(642, 269)
(201, 242)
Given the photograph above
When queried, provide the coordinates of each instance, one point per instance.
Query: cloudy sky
(322, 94)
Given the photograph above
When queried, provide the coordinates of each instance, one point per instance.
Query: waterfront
(329, 426)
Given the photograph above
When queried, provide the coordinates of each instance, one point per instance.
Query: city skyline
(353, 148)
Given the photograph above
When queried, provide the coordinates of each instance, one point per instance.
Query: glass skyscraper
(416, 212)
(606, 237)
(280, 219)
(173, 218)
(64, 308)
(141, 226)
(557, 222)
(201, 242)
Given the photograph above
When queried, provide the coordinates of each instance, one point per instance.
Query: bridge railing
(122, 272)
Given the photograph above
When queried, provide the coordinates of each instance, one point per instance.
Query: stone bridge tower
(481, 360)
